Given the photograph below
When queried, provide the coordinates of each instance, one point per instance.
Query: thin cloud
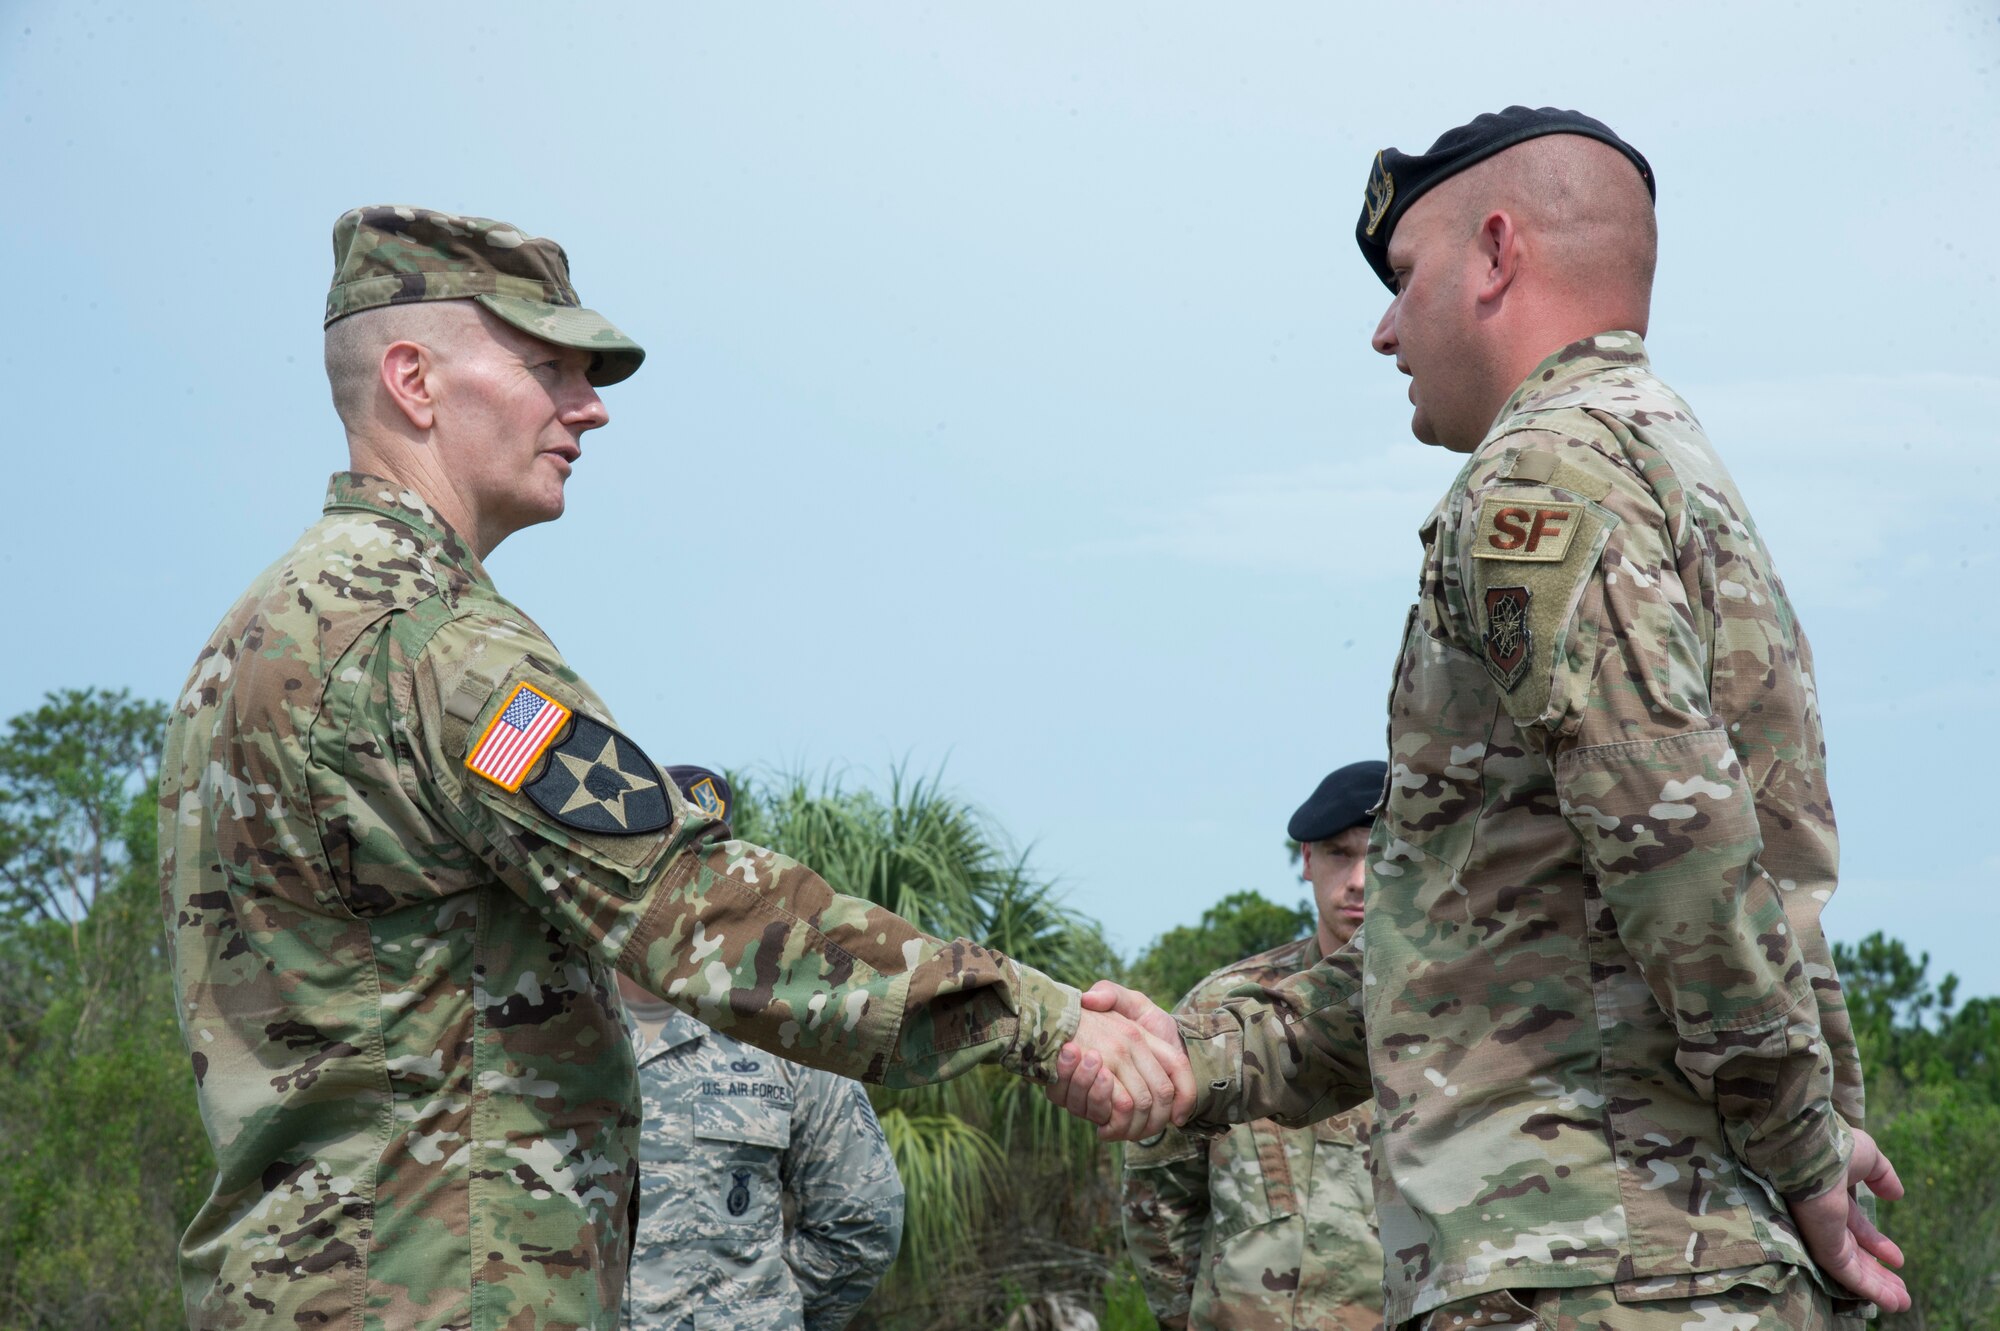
(1355, 520)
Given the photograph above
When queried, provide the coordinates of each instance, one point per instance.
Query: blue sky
(1009, 403)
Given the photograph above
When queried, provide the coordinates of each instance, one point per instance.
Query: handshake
(1126, 1069)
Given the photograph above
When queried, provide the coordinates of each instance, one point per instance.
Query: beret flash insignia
(1381, 193)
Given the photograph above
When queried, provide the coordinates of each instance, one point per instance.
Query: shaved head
(1582, 207)
(1547, 242)
(354, 347)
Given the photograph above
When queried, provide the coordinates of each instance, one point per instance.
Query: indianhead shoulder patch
(599, 781)
(1509, 642)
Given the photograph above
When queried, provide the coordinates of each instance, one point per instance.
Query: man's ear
(1499, 244)
(406, 378)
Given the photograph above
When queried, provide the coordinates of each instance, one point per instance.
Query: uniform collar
(678, 1029)
(358, 492)
(1570, 366)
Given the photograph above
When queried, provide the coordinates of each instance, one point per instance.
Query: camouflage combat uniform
(395, 976)
(1261, 1228)
(730, 1139)
(1603, 1025)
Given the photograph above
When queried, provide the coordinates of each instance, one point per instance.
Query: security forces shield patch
(703, 789)
(704, 796)
(1509, 644)
(599, 781)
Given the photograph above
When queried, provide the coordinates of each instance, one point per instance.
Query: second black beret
(1343, 800)
(1398, 179)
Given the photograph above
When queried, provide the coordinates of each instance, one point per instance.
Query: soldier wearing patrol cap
(405, 850)
(1617, 1080)
(1269, 1228)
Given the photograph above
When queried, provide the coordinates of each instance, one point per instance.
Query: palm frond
(951, 1173)
(941, 863)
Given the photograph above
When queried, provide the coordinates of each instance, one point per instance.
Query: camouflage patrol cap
(1398, 179)
(392, 254)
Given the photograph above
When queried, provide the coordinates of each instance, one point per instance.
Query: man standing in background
(768, 1200)
(1268, 1228)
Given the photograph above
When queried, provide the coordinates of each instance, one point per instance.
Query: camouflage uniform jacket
(1603, 1026)
(395, 976)
(730, 1140)
(1261, 1228)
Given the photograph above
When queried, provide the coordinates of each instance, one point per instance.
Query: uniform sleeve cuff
(1215, 1054)
(1048, 1013)
(1820, 1172)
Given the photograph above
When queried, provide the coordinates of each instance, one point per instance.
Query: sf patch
(599, 781)
(1534, 531)
(1509, 640)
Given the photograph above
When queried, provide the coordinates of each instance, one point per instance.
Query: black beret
(1345, 799)
(1396, 180)
(704, 789)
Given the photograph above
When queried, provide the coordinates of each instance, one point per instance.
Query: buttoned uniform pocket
(1340, 1164)
(739, 1152)
(1442, 711)
(1252, 1259)
(1249, 1179)
(1342, 1242)
(739, 1314)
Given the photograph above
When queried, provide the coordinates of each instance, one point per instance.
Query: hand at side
(1841, 1238)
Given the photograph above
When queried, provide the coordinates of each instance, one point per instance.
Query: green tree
(1912, 1032)
(1946, 1147)
(985, 1159)
(1933, 1072)
(76, 811)
(102, 1155)
(1240, 925)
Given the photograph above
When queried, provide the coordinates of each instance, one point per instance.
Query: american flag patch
(522, 732)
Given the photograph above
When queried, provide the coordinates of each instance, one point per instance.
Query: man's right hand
(1126, 1070)
(1843, 1241)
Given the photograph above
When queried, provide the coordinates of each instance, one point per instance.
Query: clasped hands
(1126, 1069)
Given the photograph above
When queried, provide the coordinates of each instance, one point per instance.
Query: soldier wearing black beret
(1270, 1226)
(1399, 179)
(1331, 828)
(1617, 1080)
